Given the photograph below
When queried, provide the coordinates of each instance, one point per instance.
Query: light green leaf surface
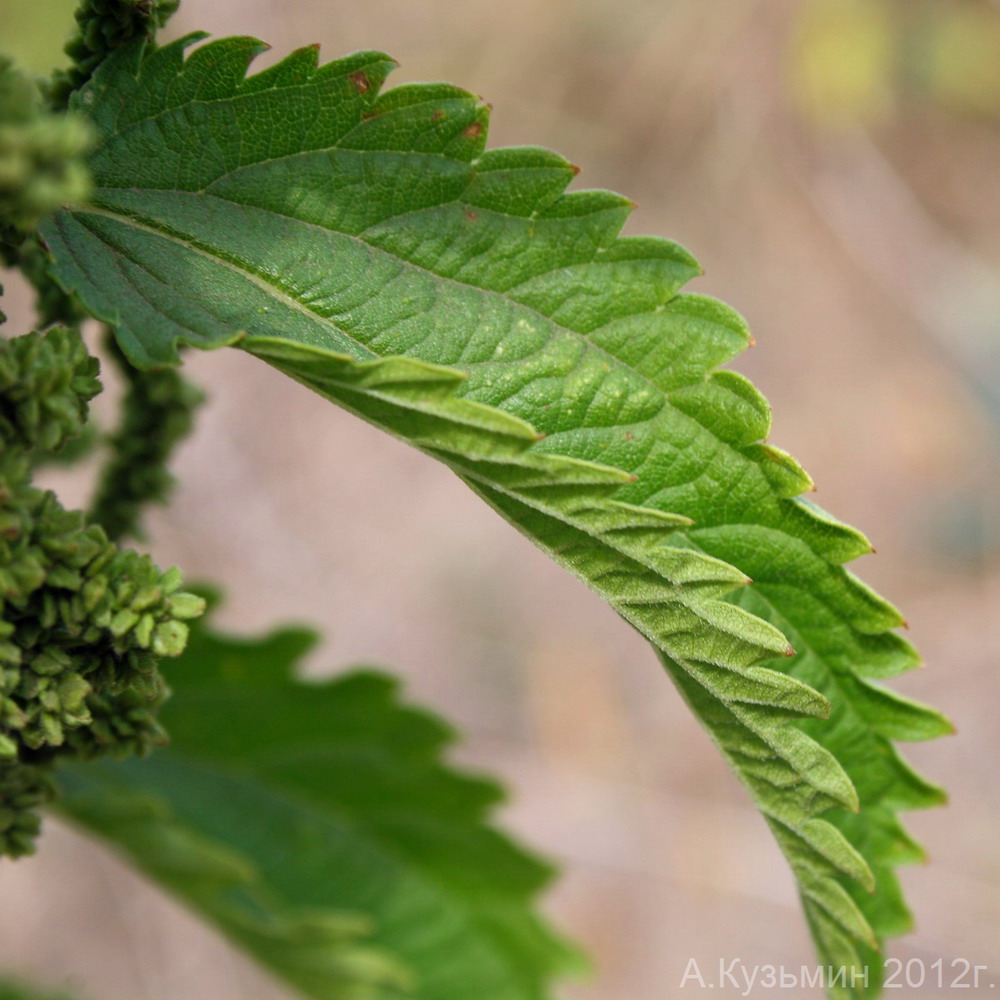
(364, 243)
(316, 825)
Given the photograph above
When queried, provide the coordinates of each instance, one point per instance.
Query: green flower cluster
(23, 789)
(41, 155)
(157, 412)
(46, 383)
(82, 622)
(102, 27)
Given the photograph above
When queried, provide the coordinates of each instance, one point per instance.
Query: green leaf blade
(366, 247)
(319, 829)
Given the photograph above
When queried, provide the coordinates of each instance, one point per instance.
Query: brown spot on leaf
(574, 168)
(472, 216)
(437, 116)
(473, 131)
(629, 436)
(360, 80)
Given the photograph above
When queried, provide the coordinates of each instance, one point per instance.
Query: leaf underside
(364, 243)
(316, 825)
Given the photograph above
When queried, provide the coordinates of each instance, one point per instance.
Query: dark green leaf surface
(365, 243)
(316, 825)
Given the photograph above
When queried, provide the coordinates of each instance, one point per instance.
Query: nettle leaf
(317, 826)
(363, 242)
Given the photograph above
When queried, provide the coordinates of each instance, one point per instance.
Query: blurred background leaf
(34, 33)
(20, 991)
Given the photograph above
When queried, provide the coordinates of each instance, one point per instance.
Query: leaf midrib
(364, 353)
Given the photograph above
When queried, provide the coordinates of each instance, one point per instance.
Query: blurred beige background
(834, 165)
